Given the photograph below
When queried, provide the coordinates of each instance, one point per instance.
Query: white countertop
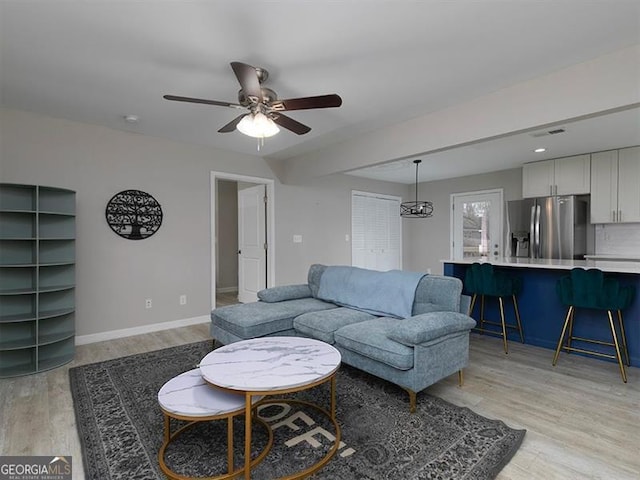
(612, 256)
(613, 266)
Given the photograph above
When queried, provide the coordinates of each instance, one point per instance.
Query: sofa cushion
(258, 319)
(313, 277)
(284, 292)
(437, 293)
(370, 339)
(430, 326)
(322, 325)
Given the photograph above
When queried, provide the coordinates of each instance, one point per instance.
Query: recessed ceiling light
(131, 118)
(540, 150)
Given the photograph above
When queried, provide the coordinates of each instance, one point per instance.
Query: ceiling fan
(265, 109)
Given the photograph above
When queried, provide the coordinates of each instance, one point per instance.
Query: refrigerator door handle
(532, 240)
(537, 232)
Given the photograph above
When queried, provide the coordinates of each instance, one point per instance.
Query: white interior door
(252, 243)
(476, 224)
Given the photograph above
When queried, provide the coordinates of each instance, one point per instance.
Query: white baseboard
(128, 332)
(227, 290)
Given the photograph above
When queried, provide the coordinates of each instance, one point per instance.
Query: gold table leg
(247, 436)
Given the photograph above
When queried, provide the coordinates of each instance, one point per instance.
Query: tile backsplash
(620, 238)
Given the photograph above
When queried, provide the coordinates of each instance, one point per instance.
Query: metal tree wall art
(133, 214)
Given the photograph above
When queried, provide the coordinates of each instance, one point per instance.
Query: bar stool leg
(615, 342)
(570, 336)
(624, 338)
(504, 326)
(473, 303)
(515, 308)
(564, 330)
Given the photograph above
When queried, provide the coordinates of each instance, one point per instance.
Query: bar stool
(592, 290)
(481, 279)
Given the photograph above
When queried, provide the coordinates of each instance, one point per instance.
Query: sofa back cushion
(437, 293)
(313, 278)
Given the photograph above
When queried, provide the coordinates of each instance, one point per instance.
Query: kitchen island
(541, 312)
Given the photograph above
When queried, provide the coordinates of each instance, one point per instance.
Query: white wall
(321, 212)
(114, 275)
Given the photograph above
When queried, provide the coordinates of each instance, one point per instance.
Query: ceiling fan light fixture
(257, 125)
(416, 208)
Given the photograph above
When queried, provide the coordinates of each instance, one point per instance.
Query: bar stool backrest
(591, 289)
(482, 279)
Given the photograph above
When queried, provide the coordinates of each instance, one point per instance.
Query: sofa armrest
(430, 326)
(465, 303)
(284, 292)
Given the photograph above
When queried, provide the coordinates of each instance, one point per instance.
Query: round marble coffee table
(274, 366)
(189, 397)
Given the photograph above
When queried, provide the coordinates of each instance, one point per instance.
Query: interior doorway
(230, 217)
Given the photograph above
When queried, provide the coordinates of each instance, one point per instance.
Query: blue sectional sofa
(401, 326)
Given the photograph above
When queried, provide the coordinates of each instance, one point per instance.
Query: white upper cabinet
(629, 185)
(604, 186)
(615, 194)
(562, 176)
(538, 178)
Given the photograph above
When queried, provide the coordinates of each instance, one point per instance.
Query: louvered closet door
(376, 234)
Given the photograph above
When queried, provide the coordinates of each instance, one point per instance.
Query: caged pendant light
(416, 209)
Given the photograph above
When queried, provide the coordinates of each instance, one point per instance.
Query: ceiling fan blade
(305, 103)
(201, 100)
(231, 126)
(290, 124)
(248, 78)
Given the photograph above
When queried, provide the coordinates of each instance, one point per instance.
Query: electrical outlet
(183, 299)
(148, 303)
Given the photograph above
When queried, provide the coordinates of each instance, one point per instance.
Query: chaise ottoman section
(258, 319)
(323, 324)
(370, 339)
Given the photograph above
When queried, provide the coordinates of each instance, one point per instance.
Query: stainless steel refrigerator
(547, 227)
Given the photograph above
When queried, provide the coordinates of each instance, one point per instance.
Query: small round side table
(188, 397)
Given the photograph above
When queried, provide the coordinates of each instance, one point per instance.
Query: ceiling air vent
(548, 132)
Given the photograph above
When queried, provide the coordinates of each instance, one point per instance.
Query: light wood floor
(582, 422)
(226, 298)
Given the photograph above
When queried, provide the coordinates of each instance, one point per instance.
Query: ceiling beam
(607, 83)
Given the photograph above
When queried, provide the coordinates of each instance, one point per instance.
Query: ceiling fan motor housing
(268, 96)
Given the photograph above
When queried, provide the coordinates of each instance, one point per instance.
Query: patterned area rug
(121, 428)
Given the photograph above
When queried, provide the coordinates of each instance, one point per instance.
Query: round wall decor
(133, 214)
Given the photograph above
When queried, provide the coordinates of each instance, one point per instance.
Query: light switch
(346, 237)
(297, 239)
